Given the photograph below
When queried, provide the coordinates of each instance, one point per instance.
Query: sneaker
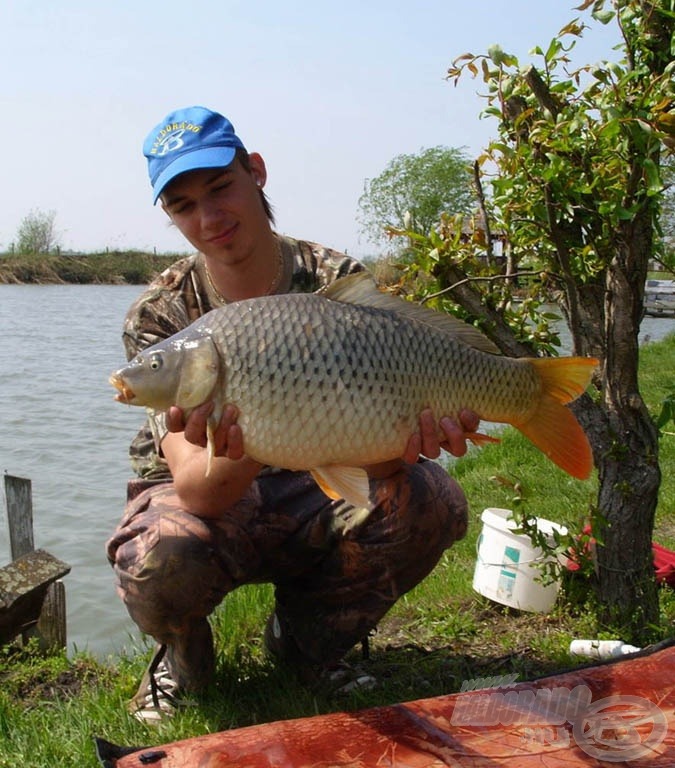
(335, 679)
(158, 694)
(341, 679)
(281, 645)
(279, 642)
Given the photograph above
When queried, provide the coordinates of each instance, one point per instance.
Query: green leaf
(667, 412)
(604, 17)
(611, 128)
(624, 214)
(553, 50)
(496, 53)
(653, 177)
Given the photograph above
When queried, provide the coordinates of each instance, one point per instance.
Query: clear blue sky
(327, 92)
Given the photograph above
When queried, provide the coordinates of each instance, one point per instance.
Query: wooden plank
(28, 572)
(19, 495)
(23, 586)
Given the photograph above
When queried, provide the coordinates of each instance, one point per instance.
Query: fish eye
(155, 362)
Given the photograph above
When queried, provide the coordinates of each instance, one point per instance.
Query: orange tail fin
(553, 427)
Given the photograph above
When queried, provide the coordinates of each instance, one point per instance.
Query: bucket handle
(514, 566)
(540, 559)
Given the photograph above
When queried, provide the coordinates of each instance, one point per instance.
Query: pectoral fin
(348, 483)
(211, 426)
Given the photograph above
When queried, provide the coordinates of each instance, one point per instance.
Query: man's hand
(207, 486)
(427, 443)
(228, 439)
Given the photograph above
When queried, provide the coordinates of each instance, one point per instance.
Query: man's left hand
(427, 441)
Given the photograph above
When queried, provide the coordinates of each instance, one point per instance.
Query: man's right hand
(228, 439)
(231, 472)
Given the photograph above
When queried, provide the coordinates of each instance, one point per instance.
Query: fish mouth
(125, 394)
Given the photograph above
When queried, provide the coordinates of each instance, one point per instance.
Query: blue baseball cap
(188, 139)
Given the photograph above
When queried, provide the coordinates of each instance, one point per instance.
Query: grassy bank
(439, 635)
(117, 267)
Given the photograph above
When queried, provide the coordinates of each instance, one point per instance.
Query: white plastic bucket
(508, 565)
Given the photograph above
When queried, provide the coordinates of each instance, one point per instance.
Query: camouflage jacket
(182, 293)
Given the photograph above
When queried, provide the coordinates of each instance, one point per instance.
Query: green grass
(439, 635)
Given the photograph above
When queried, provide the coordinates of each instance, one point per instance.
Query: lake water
(62, 429)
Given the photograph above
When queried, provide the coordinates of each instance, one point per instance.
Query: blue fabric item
(188, 139)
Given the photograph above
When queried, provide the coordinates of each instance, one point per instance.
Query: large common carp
(331, 383)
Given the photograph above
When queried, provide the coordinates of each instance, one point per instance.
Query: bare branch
(539, 88)
(483, 210)
(486, 279)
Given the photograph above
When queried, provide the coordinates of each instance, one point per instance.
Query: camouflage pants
(333, 583)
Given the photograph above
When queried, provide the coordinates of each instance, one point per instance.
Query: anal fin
(348, 483)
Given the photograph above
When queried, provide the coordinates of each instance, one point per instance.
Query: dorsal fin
(361, 289)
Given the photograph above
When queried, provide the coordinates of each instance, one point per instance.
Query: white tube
(601, 649)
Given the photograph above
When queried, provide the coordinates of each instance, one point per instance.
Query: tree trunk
(629, 480)
(627, 457)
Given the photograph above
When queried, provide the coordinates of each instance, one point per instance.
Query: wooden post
(50, 628)
(19, 495)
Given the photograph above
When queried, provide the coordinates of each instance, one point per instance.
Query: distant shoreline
(112, 268)
(106, 268)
